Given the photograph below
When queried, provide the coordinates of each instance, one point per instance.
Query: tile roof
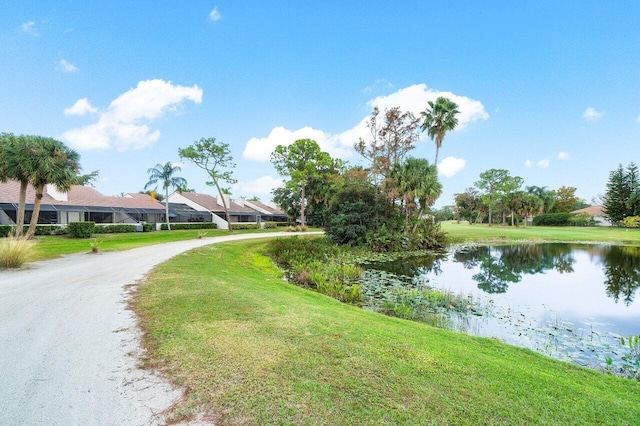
(210, 203)
(81, 196)
(272, 210)
(591, 211)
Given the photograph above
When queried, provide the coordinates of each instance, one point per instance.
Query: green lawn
(251, 349)
(484, 233)
(48, 247)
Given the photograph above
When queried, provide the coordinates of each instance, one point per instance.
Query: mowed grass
(48, 247)
(497, 233)
(251, 349)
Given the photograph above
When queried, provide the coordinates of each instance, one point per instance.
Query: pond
(568, 301)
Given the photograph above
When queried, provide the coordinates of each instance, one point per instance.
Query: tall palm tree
(439, 118)
(418, 186)
(165, 175)
(52, 163)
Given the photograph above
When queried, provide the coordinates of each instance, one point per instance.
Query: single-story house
(79, 204)
(195, 207)
(597, 213)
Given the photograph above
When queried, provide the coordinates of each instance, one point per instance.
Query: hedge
(198, 225)
(245, 226)
(552, 219)
(148, 227)
(114, 229)
(40, 230)
(81, 229)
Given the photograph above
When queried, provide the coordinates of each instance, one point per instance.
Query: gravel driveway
(69, 345)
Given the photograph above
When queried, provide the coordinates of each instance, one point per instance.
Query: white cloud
(66, 66)
(121, 124)
(413, 98)
(449, 166)
(30, 28)
(590, 114)
(81, 107)
(378, 85)
(528, 164)
(543, 163)
(214, 15)
(260, 149)
(563, 156)
(261, 185)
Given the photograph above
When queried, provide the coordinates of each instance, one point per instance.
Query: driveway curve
(69, 346)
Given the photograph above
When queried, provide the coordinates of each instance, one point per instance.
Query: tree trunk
(224, 205)
(36, 211)
(21, 206)
(166, 207)
(512, 214)
(302, 220)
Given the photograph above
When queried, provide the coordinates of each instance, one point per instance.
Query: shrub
(297, 228)
(195, 225)
(552, 219)
(114, 229)
(270, 225)
(245, 226)
(148, 227)
(631, 222)
(81, 229)
(5, 230)
(15, 251)
(582, 219)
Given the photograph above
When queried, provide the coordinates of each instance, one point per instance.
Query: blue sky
(548, 90)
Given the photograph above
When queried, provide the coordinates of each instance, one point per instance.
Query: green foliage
(582, 219)
(353, 212)
(565, 199)
(81, 229)
(15, 251)
(119, 228)
(245, 226)
(148, 227)
(212, 157)
(439, 118)
(5, 230)
(195, 225)
(631, 222)
(315, 263)
(552, 219)
(271, 225)
(622, 198)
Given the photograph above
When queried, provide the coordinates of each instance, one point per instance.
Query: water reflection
(568, 301)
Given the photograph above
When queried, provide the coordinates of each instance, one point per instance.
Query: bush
(582, 219)
(148, 227)
(196, 225)
(297, 228)
(40, 230)
(270, 225)
(631, 222)
(15, 251)
(245, 226)
(114, 229)
(552, 219)
(81, 229)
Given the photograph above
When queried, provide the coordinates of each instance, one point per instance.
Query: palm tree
(52, 162)
(439, 118)
(165, 175)
(14, 164)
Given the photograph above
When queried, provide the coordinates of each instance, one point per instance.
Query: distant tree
(288, 199)
(303, 162)
(509, 187)
(212, 156)
(254, 198)
(468, 205)
(547, 196)
(165, 174)
(392, 136)
(52, 162)
(444, 213)
(622, 197)
(439, 118)
(566, 199)
(491, 183)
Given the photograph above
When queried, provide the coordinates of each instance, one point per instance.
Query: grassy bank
(496, 233)
(253, 349)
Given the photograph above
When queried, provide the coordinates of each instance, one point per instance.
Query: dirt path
(68, 343)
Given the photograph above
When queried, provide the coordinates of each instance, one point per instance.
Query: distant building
(597, 213)
(79, 204)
